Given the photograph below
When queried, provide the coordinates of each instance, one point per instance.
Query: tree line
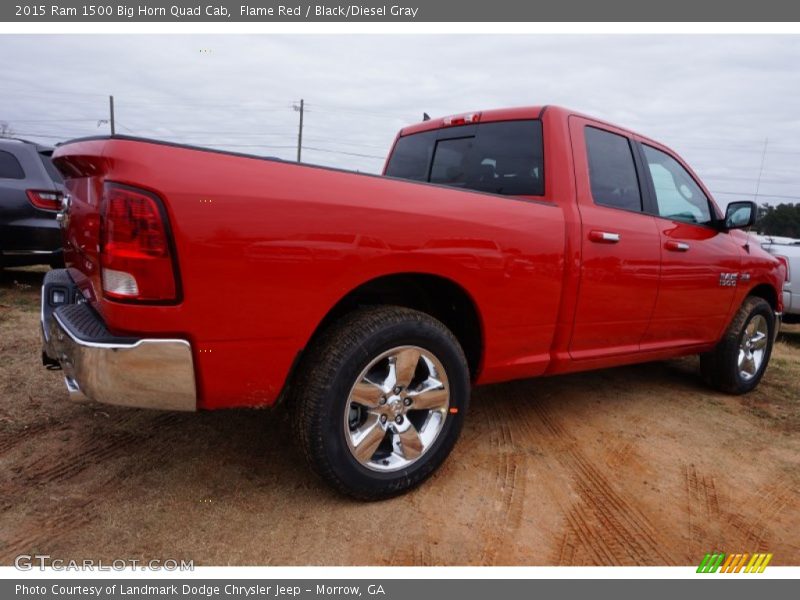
(781, 220)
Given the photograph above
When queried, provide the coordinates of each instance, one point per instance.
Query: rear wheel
(380, 401)
(740, 359)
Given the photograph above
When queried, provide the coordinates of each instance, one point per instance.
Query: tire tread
(318, 368)
(719, 366)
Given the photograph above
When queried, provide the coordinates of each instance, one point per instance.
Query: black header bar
(404, 11)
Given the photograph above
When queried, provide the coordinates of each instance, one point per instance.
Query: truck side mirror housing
(740, 215)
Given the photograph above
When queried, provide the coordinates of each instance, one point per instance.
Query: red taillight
(45, 200)
(135, 253)
(461, 119)
(785, 262)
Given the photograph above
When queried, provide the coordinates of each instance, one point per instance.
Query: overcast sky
(714, 99)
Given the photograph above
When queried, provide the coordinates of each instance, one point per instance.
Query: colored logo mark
(734, 563)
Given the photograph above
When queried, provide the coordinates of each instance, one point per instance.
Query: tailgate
(84, 169)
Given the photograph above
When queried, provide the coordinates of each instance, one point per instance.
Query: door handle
(604, 237)
(676, 246)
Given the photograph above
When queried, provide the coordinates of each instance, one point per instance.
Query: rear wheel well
(441, 298)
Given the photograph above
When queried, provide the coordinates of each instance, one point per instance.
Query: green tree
(781, 220)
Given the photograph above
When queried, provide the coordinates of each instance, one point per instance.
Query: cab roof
(486, 116)
(511, 114)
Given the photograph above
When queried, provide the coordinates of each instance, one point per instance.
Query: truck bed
(266, 247)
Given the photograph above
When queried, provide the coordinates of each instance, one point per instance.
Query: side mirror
(740, 215)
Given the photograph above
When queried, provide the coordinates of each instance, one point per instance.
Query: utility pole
(111, 111)
(300, 131)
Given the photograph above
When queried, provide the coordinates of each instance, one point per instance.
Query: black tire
(720, 367)
(332, 365)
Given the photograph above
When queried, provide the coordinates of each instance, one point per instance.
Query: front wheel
(739, 360)
(380, 401)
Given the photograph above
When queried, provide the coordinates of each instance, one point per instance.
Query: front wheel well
(436, 296)
(767, 292)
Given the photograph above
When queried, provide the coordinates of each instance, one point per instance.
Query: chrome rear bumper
(145, 373)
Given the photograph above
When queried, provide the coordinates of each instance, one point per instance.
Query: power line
(376, 157)
(344, 152)
(294, 147)
(239, 105)
(737, 142)
(181, 133)
(364, 155)
(355, 113)
(761, 168)
(213, 132)
(358, 111)
(11, 121)
(140, 102)
(259, 134)
(275, 147)
(761, 195)
(249, 134)
(41, 135)
(128, 129)
(218, 144)
(739, 149)
(345, 142)
(746, 179)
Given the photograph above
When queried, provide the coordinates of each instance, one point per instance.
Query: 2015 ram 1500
(497, 245)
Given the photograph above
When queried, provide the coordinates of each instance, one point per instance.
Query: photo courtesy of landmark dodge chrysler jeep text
(497, 245)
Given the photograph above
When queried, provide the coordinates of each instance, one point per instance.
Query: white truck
(786, 250)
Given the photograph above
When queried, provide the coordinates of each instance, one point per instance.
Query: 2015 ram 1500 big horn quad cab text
(497, 245)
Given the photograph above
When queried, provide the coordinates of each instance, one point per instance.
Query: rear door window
(612, 172)
(10, 167)
(501, 158)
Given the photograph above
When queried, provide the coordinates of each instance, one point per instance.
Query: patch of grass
(20, 289)
(776, 400)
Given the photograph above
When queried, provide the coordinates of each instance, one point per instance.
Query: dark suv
(31, 190)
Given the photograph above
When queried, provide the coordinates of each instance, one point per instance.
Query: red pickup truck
(497, 245)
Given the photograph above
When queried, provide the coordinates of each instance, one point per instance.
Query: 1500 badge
(728, 279)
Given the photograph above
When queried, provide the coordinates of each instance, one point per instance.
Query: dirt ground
(631, 466)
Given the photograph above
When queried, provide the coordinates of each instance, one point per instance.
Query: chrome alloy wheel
(753, 347)
(396, 409)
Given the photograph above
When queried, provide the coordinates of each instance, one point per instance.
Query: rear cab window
(504, 157)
